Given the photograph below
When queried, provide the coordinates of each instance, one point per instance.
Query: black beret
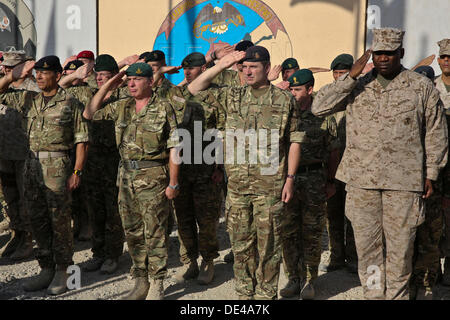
(105, 62)
(195, 59)
(51, 63)
(156, 55)
(244, 45)
(73, 65)
(256, 54)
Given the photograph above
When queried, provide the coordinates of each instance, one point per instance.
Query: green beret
(257, 54)
(139, 69)
(301, 77)
(289, 63)
(342, 62)
(195, 59)
(105, 62)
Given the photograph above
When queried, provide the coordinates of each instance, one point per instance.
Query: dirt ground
(337, 285)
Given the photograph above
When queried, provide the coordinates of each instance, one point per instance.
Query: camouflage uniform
(390, 133)
(100, 180)
(341, 241)
(305, 216)
(144, 141)
(91, 80)
(53, 129)
(229, 78)
(254, 195)
(198, 201)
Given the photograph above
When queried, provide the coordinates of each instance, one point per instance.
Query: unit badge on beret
(45, 65)
(257, 56)
(138, 71)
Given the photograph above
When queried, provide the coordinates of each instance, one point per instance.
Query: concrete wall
(315, 31)
(425, 22)
(44, 27)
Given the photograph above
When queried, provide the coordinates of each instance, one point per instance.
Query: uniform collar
(60, 95)
(401, 81)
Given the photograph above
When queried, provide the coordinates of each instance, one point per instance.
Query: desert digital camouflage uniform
(254, 194)
(144, 141)
(396, 138)
(444, 94)
(305, 215)
(100, 180)
(445, 241)
(53, 129)
(341, 241)
(198, 201)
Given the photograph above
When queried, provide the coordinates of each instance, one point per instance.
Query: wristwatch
(291, 176)
(78, 173)
(175, 187)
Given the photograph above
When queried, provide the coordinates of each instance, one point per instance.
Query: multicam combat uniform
(144, 141)
(305, 214)
(396, 138)
(254, 189)
(53, 129)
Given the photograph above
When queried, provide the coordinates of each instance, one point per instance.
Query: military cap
(156, 55)
(289, 63)
(49, 63)
(105, 62)
(256, 54)
(300, 77)
(73, 65)
(387, 39)
(145, 55)
(444, 47)
(244, 45)
(13, 58)
(86, 54)
(427, 71)
(195, 59)
(139, 69)
(342, 62)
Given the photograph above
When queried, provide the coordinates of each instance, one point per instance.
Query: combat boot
(12, 244)
(307, 292)
(109, 266)
(229, 257)
(93, 264)
(331, 266)
(206, 272)
(351, 266)
(42, 281)
(291, 289)
(25, 248)
(188, 271)
(446, 274)
(59, 282)
(156, 291)
(140, 289)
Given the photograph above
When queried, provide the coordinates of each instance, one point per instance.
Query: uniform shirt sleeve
(15, 98)
(295, 135)
(108, 112)
(171, 118)
(332, 137)
(436, 134)
(81, 127)
(333, 97)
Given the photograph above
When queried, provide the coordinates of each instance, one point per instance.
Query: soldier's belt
(144, 164)
(48, 154)
(310, 167)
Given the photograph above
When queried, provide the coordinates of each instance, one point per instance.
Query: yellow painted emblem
(295, 80)
(72, 66)
(45, 65)
(138, 71)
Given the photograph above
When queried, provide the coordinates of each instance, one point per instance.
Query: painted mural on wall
(17, 28)
(200, 25)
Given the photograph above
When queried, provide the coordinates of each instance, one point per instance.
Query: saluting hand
(274, 73)
(115, 81)
(231, 59)
(360, 64)
(83, 71)
(23, 70)
(223, 51)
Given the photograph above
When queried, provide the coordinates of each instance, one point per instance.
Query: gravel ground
(337, 285)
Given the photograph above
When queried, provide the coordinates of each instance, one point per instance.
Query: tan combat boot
(59, 282)
(307, 292)
(156, 291)
(140, 289)
(188, 271)
(206, 273)
(42, 281)
(25, 248)
(291, 289)
(446, 274)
